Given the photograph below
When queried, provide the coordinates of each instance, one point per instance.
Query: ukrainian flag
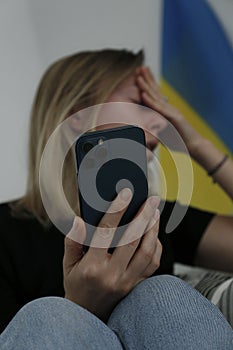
(197, 76)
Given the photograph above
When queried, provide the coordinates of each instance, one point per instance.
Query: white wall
(33, 34)
(75, 25)
(20, 63)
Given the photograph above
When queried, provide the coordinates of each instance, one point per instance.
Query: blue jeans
(161, 312)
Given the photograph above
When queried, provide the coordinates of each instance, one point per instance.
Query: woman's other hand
(153, 98)
(98, 280)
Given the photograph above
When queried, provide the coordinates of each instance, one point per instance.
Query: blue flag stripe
(197, 60)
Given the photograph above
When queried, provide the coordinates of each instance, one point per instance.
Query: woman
(31, 248)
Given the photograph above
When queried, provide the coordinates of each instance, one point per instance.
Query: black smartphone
(107, 161)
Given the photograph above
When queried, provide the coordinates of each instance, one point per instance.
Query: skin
(150, 121)
(99, 280)
(215, 249)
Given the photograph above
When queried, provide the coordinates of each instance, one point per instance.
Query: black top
(31, 256)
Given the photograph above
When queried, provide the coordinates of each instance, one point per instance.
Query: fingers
(144, 86)
(154, 103)
(105, 231)
(155, 262)
(74, 244)
(147, 83)
(150, 93)
(147, 257)
(152, 96)
(161, 106)
(132, 236)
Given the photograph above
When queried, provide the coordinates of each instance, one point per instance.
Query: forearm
(208, 156)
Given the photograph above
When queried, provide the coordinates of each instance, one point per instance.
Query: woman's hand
(98, 280)
(152, 97)
(214, 250)
(200, 148)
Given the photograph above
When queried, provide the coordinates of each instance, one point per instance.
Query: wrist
(198, 147)
(206, 154)
(99, 309)
(217, 167)
(69, 297)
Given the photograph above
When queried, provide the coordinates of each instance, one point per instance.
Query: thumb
(74, 243)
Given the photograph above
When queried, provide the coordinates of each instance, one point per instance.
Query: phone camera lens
(87, 146)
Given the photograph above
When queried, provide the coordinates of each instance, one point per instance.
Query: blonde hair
(69, 85)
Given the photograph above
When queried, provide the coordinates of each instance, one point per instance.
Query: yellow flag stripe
(206, 194)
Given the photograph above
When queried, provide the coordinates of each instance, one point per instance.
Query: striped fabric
(223, 298)
(214, 285)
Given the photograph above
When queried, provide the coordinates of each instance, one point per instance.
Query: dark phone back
(108, 161)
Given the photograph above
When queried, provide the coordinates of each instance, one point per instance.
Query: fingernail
(77, 232)
(75, 222)
(125, 194)
(156, 215)
(73, 234)
(154, 202)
